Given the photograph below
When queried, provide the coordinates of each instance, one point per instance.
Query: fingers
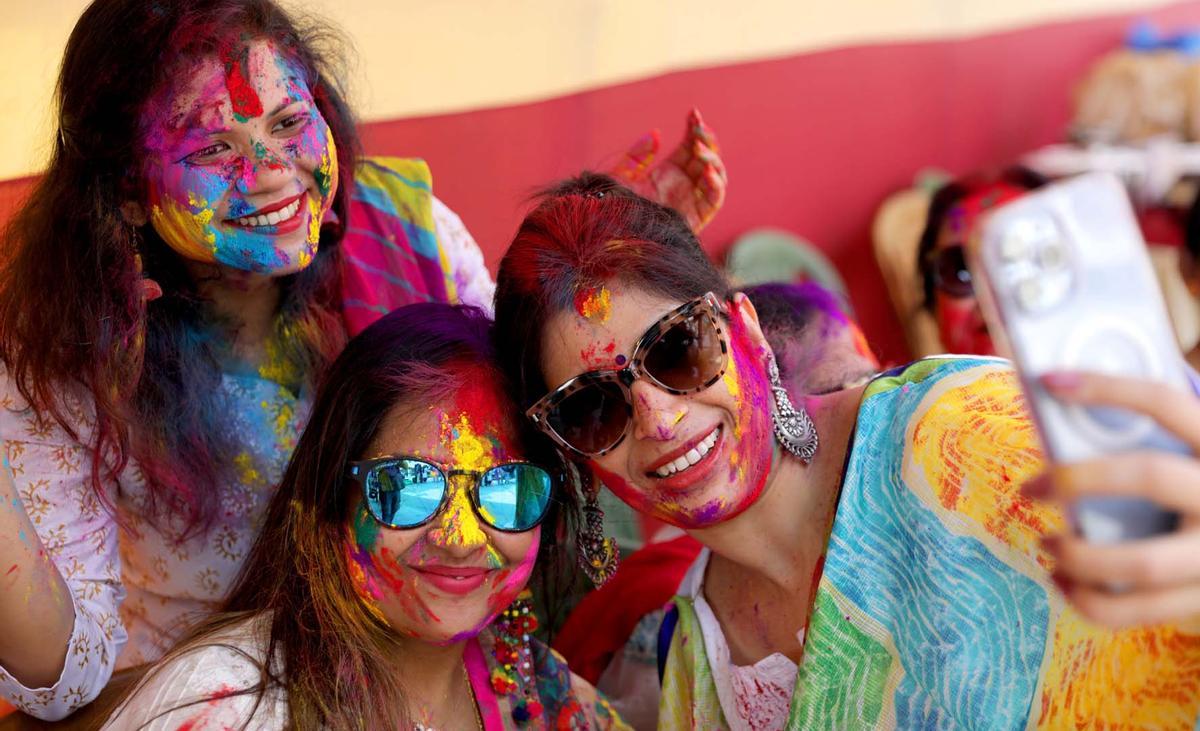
(1132, 608)
(701, 131)
(150, 289)
(1170, 480)
(710, 195)
(1153, 563)
(639, 157)
(1176, 411)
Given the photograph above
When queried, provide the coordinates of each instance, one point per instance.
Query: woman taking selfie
(870, 559)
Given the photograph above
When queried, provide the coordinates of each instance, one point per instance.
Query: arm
(59, 571)
(471, 277)
(1160, 576)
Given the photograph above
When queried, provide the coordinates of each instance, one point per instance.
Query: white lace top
(753, 697)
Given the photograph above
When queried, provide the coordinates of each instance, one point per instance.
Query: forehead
(204, 90)
(573, 336)
(476, 414)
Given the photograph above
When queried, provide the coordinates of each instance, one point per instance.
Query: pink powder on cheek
(505, 586)
(664, 510)
(752, 449)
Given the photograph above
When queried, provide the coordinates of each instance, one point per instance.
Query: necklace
(474, 705)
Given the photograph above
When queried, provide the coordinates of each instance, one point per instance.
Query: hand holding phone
(1066, 285)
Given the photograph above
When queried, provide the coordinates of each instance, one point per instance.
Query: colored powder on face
(458, 523)
(494, 559)
(594, 305)
(594, 356)
(246, 104)
(268, 159)
(187, 231)
(326, 173)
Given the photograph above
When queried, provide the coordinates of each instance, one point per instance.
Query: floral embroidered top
(133, 586)
(198, 690)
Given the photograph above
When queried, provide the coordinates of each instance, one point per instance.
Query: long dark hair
(71, 311)
(335, 670)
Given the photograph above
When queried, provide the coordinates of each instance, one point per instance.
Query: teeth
(691, 457)
(271, 218)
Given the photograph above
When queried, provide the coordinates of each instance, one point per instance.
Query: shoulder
(213, 683)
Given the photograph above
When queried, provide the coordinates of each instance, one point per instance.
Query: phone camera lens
(1053, 255)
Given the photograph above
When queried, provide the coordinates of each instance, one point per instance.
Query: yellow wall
(426, 56)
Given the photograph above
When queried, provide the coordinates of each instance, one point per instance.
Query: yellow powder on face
(470, 452)
(187, 231)
(314, 232)
(459, 524)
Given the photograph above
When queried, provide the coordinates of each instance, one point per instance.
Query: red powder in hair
(246, 104)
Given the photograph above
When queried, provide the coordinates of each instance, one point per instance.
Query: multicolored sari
(935, 608)
(390, 249)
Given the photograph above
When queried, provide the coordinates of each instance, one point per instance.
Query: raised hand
(1159, 578)
(692, 180)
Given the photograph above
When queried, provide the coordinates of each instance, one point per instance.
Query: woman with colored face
(186, 268)
(870, 560)
(389, 581)
(949, 293)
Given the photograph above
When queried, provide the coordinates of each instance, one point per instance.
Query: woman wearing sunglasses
(949, 293)
(870, 559)
(387, 585)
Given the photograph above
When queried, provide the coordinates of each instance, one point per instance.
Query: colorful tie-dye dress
(935, 608)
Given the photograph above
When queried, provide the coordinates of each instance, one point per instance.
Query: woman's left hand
(1159, 577)
(692, 180)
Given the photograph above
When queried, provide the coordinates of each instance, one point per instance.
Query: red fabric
(1161, 226)
(602, 623)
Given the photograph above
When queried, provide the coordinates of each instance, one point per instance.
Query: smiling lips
(458, 580)
(282, 215)
(690, 464)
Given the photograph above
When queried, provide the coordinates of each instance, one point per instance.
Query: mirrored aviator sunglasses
(951, 274)
(685, 351)
(407, 492)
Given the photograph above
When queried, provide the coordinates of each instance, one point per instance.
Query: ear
(742, 308)
(134, 213)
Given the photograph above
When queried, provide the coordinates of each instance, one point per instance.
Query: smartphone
(1065, 283)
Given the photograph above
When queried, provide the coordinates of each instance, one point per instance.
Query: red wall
(813, 142)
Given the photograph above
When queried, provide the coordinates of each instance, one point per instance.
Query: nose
(656, 413)
(457, 530)
(263, 168)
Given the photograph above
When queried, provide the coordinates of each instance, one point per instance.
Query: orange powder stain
(594, 305)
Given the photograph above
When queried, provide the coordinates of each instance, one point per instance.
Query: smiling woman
(230, 183)
(377, 610)
(869, 560)
(185, 270)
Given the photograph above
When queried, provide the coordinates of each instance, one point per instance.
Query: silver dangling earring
(598, 556)
(793, 427)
